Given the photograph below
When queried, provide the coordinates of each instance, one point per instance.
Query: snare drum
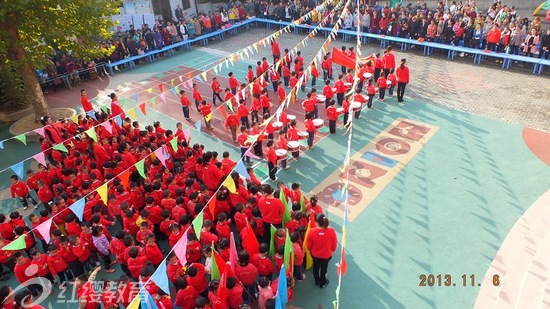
(321, 98)
(302, 135)
(340, 110)
(290, 117)
(367, 75)
(281, 153)
(334, 90)
(318, 123)
(355, 106)
(389, 83)
(293, 146)
(348, 85)
(277, 125)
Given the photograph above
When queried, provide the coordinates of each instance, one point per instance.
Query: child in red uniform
(185, 298)
(41, 262)
(247, 274)
(279, 258)
(223, 230)
(20, 191)
(152, 251)
(371, 91)
(234, 293)
(194, 249)
(216, 90)
(207, 238)
(233, 83)
(298, 257)
(392, 82)
(175, 235)
(65, 250)
(206, 110)
(174, 269)
(196, 277)
(82, 252)
(21, 265)
(57, 264)
(143, 232)
(262, 262)
(135, 262)
(382, 86)
(166, 222)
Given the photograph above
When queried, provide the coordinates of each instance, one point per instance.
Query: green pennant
(140, 166)
(344, 190)
(288, 253)
(177, 89)
(272, 241)
(303, 203)
(229, 105)
(122, 102)
(22, 138)
(61, 147)
(197, 224)
(174, 143)
(286, 215)
(153, 100)
(91, 133)
(252, 138)
(105, 109)
(214, 269)
(17, 244)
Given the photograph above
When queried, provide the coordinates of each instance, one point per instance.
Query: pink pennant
(108, 126)
(159, 153)
(163, 97)
(39, 157)
(232, 252)
(180, 249)
(187, 134)
(181, 78)
(44, 229)
(40, 131)
(189, 84)
(249, 154)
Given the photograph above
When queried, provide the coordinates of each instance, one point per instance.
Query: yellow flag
(75, 119)
(208, 117)
(132, 113)
(102, 191)
(135, 303)
(203, 74)
(229, 183)
(172, 82)
(150, 90)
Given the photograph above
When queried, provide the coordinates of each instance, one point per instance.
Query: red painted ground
(538, 142)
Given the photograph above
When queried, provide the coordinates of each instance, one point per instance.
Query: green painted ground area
(446, 212)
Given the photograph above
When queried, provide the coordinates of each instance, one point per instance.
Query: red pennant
(251, 242)
(142, 108)
(125, 178)
(343, 267)
(160, 88)
(222, 288)
(212, 207)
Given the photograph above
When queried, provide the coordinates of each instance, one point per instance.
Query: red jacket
(154, 255)
(19, 189)
(184, 100)
(174, 271)
(272, 210)
(233, 82)
(57, 264)
(389, 61)
(235, 296)
(246, 274)
(310, 127)
(199, 281)
(232, 121)
(212, 176)
(185, 298)
(327, 92)
(20, 271)
(81, 251)
(402, 74)
(135, 265)
(264, 265)
(382, 83)
(332, 114)
(340, 87)
(275, 50)
(196, 95)
(42, 265)
(322, 242)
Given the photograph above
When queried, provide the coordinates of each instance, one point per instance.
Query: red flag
(222, 289)
(125, 178)
(343, 267)
(251, 242)
(339, 57)
(160, 87)
(142, 107)
(212, 206)
(224, 113)
(219, 261)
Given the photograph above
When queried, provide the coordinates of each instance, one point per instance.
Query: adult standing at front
(85, 101)
(321, 242)
(389, 60)
(271, 208)
(402, 73)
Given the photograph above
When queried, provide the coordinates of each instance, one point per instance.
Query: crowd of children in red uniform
(157, 208)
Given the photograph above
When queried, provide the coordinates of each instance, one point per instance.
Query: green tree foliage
(30, 31)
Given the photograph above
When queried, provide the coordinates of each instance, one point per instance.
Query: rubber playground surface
(433, 191)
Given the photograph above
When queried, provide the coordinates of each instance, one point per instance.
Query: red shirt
(271, 156)
(154, 255)
(199, 281)
(246, 274)
(19, 189)
(81, 251)
(322, 242)
(382, 83)
(232, 121)
(56, 264)
(332, 114)
(205, 109)
(264, 265)
(20, 271)
(250, 75)
(402, 74)
(310, 127)
(286, 71)
(275, 50)
(86, 103)
(185, 298)
(216, 86)
(87, 291)
(309, 105)
(196, 95)
(389, 61)
(233, 82)
(243, 111)
(327, 92)
(184, 100)
(135, 265)
(272, 210)
(340, 87)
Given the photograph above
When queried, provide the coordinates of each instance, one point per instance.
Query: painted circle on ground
(393, 146)
(332, 195)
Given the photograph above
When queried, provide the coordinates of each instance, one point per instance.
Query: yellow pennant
(203, 74)
(75, 119)
(229, 183)
(150, 90)
(135, 303)
(208, 117)
(172, 82)
(132, 113)
(102, 191)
